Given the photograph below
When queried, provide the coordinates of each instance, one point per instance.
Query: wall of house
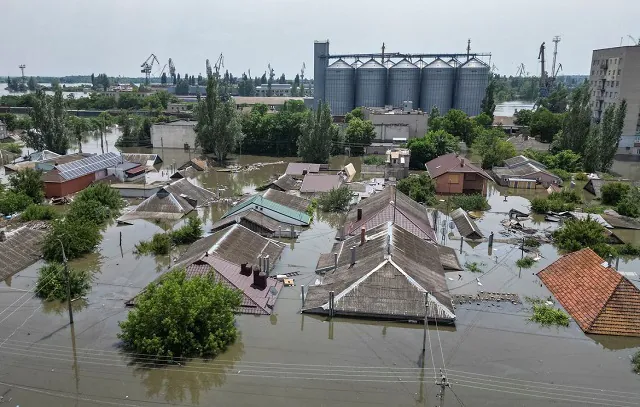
(173, 135)
(60, 189)
(275, 215)
(450, 183)
(475, 182)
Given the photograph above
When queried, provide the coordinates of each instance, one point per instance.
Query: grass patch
(38, 212)
(374, 160)
(474, 202)
(14, 148)
(525, 262)
(581, 176)
(546, 315)
(473, 267)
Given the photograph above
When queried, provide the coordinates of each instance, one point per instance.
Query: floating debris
(485, 296)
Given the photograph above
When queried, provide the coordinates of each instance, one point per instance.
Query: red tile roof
(599, 299)
(452, 163)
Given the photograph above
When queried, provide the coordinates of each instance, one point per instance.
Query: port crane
(172, 71)
(147, 67)
(546, 81)
(521, 70)
(22, 66)
(635, 41)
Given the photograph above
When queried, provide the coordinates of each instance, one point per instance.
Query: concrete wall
(60, 189)
(3, 131)
(398, 125)
(173, 135)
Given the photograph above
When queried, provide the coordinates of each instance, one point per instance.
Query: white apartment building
(614, 76)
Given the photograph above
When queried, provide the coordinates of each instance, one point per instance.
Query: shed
(465, 225)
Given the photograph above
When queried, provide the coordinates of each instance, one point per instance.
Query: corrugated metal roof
(439, 64)
(183, 187)
(474, 63)
(89, 165)
(299, 168)
(404, 64)
(160, 206)
(313, 183)
(290, 201)
(22, 248)
(251, 216)
(287, 183)
(259, 201)
(340, 64)
(466, 226)
(372, 64)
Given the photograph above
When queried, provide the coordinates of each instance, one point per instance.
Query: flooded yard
(494, 356)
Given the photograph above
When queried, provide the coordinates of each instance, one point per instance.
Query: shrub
(11, 147)
(13, 202)
(581, 176)
(525, 262)
(374, 160)
(531, 242)
(475, 202)
(39, 212)
(28, 181)
(160, 244)
(311, 209)
(420, 188)
(565, 200)
(473, 267)
(566, 195)
(547, 315)
(630, 204)
(578, 234)
(89, 211)
(103, 194)
(188, 233)
(628, 249)
(636, 362)
(613, 192)
(336, 200)
(594, 209)
(180, 317)
(78, 237)
(52, 283)
(565, 175)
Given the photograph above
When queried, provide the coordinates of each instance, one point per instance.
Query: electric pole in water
(443, 383)
(66, 272)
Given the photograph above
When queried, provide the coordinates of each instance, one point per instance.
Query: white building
(178, 134)
(614, 76)
(397, 124)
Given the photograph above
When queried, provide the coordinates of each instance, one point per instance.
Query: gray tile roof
(292, 201)
(185, 187)
(160, 206)
(466, 226)
(299, 168)
(22, 248)
(313, 183)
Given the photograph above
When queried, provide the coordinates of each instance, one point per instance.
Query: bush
(52, 283)
(475, 202)
(103, 194)
(13, 202)
(89, 211)
(578, 234)
(581, 176)
(28, 181)
(613, 192)
(188, 233)
(311, 209)
(420, 188)
(531, 242)
(563, 201)
(630, 204)
(564, 175)
(39, 212)
(160, 244)
(374, 160)
(547, 315)
(11, 147)
(78, 237)
(525, 262)
(176, 317)
(628, 249)
(336, 200)
(473, 267)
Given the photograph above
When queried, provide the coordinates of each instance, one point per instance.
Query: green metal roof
(274, 206)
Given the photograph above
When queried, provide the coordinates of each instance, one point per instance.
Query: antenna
(383, 52)
(469, 49)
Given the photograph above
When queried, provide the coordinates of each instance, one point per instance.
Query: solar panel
(88, 165)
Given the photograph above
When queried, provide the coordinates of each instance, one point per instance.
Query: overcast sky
(64, 37)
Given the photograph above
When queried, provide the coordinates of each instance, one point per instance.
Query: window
(619, 71)
(454, 178)
(620, 61)
(617, 84)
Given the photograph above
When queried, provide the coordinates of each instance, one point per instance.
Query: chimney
(259, 278)
(3, 236)
(462, 162)
(363, 236)
(304, 172)
(267, 269)
(359, 213)
(353, 255)
(335, 261)
(245, 269)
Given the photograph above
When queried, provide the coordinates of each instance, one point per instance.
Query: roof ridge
(234, 285)
(622, 278)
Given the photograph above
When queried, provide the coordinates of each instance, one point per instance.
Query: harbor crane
(556, 40)
(22, 66)
(219, 64)
(521, 70)
(147, 67)
(635, 41)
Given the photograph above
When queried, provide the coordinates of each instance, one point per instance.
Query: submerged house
(284, 183)
(19, 249)
(594, 186)
(383, 273)
(299, 170)
(270, 209)
(465, 225)
(319, 183)
(600, 299)
(291, 201)
(525, 173)
(454, 174)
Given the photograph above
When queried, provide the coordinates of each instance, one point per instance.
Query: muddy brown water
(493, 356)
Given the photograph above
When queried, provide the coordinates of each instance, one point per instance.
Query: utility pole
(443, 383)
(424, 334)
(66, 272)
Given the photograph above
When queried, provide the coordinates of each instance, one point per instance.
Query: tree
(545, 124)
(576, 122)
(163, 78)
(457, 123)
(13, 202)
(28, 182)
(93, 80)
(420, 188)
(78, 238)
(314, 143)
(591, 155)
(78, 126)
(493, 148)
(52, 282)
(629, 205)
(32, 84)
(578, 234)
(488, 104)
(336, 200)
(49, 122)
(613, 192)
(432, 145)
(55, 84)
(356, 113)
(218, 127)
(263, 79)
(612, 125)
(483, 120)
(359, 133)
(557, 100)
(180, 317)
(102, 81)
(434, 115)
(282, 79)
(103, 194)
(523, 117)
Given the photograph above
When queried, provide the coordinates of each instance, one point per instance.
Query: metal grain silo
(404, 84)
(339, 87)
(471, 86)
(438, 81)
(371, 84)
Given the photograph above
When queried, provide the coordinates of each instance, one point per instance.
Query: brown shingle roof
(452, 163)
(599, 299)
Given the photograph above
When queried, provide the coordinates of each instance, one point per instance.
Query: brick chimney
(359, 213)
(246, 269)
(353, 255)
(259, 278)
(462, 162)
(363, 236)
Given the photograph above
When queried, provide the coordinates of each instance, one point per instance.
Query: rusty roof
(22, 248)
(598, 298)
(452, 163)
(380, 208)
(291, 201)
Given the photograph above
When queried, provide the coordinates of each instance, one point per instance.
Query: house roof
(523, 170)
(43, 155)
(449, 259)
(599, 299)
(452, 163)
(619, 221)
(466, 226)
(393, 270)
(148, 160)
(79, 168)
(291, 201)
(298, 168)
(254, 300)
(235, 244)
(183, 187)
(188, 172)
(519, 160)
(287, 183)
(380, 208)
(595, 185)
(21, 248)
(162, 205)
(320, 183)
(261, 202)
(196, 163)
(136, 170)
(252, 216)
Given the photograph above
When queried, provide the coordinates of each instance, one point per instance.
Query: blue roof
(259, 200)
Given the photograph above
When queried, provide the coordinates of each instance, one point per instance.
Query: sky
(64, 37)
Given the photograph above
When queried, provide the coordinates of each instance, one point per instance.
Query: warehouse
(178, 134)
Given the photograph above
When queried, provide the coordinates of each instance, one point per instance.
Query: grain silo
(471, 85)
(371, 84)
(438, 81)
(404, 84)
(339, 87)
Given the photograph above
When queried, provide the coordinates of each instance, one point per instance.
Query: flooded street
(493, 357)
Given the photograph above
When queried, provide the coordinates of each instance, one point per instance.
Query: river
(493, 357)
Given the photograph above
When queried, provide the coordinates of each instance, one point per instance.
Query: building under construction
(447, 81)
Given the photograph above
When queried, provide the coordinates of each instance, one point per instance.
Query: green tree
(613, 192)
(356, 113)
(432, 145)
(282, 79)
(52, 283)
(483, 120)
(218, 128)
(32, 84)
(104, 195)
(629, 205)
(359, 133)
(576, 122)
(557, 100)
(565, 160)
(433, 117)
(336, 200)
(13, 202)
(78, 238)
(493, 148)
(457, 123)
(545, 124)
(612, 125)
(523, 117)
(180, 317)
(28, 182)
(420, 188)
(591, 155)
(314, 144)
(49, 121)
(578, 234)
(488, 104)
(79, 126)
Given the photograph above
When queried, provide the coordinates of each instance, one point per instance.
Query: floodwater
(493, 356)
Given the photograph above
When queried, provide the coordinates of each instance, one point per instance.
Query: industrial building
(615, 74)
(391, 79)
(178, 134)
(397, 125)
